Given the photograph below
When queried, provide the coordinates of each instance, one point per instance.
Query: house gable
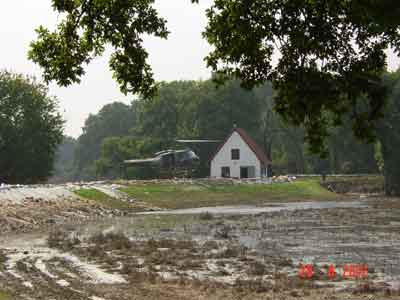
(239, 156)
(236, 158)
(250, 144)
(235, 141)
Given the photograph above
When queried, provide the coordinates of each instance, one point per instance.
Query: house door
(251, 172)
(244, 172)
(247, 172)
(225, 172)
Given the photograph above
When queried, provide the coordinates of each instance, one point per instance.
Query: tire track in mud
(49, 272)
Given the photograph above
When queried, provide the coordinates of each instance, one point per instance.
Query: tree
(219, 109)
(190, 109)
(113, 120)
(87, 27)
(64, 160)
(268, 120)
(349, 155)
(389, 136)
(30, 129)
(332, 53)
(114, 150)
(165, 116)
(332, 58)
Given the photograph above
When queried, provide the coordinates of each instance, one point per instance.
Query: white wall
(223, 158)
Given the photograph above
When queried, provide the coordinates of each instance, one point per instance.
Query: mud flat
(58, 245)
(206, 256)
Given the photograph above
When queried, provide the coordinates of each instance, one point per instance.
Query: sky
(178, 58)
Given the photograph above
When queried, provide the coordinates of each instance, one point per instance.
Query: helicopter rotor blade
(197, 141)
(141, 161)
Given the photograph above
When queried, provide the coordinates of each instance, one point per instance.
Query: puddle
(252, 210)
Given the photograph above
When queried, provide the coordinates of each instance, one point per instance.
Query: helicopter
(172, 162)
(169, 159)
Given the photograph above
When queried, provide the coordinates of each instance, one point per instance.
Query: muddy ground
(209, 256)
(56, 245)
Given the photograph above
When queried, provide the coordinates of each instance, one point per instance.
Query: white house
(239, 156)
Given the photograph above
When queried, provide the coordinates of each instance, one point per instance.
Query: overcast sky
(180, 57)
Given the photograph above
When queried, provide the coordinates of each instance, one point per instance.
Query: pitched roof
(250, 142)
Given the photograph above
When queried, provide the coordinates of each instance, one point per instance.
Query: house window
(235, 153)
(226, 172)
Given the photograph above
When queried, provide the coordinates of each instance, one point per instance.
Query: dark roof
(250, 142)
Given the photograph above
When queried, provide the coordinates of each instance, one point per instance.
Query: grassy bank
(173, 196)
(103, 199)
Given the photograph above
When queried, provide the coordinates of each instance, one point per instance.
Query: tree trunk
(389, 137)
(391, 158)
(388, 131)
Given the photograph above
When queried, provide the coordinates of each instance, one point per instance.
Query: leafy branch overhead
(329, 54)
(88, 26)
(325, 58)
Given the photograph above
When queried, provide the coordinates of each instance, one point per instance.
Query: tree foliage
(331, 57)
(196, 109)
(115, 150)
(113, 120)
(30, 129)
(87, 27)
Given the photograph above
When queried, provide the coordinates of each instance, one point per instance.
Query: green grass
(102, 199)
(173, 196)
(4, 296)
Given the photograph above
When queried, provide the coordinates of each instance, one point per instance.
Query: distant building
(239, 156)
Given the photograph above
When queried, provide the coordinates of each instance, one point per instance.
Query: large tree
(30, 130)
(113, 120)
(389, 136)
(330, 59)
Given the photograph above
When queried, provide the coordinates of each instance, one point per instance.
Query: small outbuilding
(239, 156)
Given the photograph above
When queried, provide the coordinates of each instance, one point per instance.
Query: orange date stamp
(348, 271)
